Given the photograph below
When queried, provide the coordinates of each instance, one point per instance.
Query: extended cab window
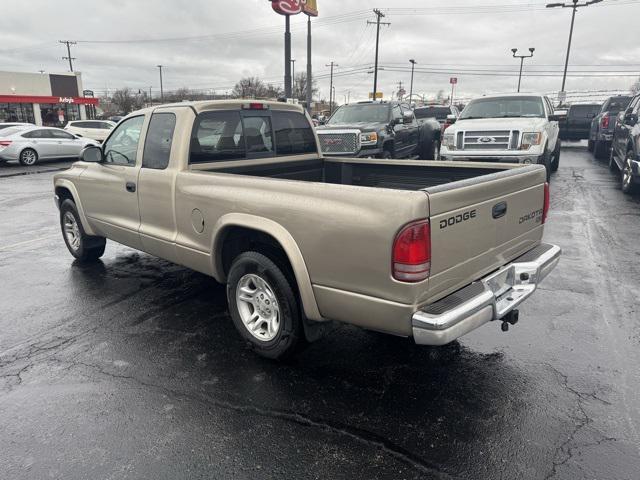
(121, 147)
(157, 144)
(294, 135)
(217, 137)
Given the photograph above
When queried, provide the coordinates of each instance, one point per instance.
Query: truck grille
(491, 140)
(339, 143)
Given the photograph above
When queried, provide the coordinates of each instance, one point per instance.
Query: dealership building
(50, 99)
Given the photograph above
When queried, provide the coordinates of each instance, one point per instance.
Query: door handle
(131, 187)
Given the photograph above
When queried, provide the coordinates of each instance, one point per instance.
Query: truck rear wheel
(264, 306)
(555, 163)
(600, 150)
(85, 248)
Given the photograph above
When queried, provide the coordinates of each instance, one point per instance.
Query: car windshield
(439, 113)
(504, 107)
(368, 112)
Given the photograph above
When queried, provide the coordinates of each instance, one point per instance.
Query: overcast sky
(210, 44)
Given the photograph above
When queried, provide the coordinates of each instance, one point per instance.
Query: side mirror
(554, 118)
(91, 154)
(451, 119)
(407, 119)
(631, 119)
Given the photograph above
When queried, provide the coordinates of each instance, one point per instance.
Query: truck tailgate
(478, 225)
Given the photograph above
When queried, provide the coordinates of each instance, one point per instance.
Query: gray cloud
(245, 38)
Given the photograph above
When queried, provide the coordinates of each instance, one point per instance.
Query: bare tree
(250, 87)
(300, 87)
(124, 100)
(635, 88)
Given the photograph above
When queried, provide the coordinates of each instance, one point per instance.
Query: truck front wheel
(263, 306)
(85, 248)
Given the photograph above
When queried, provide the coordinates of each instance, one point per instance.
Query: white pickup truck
(514, 128)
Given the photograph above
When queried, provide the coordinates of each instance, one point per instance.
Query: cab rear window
(294, 135)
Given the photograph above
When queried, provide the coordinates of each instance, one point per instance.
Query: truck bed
(391, 174)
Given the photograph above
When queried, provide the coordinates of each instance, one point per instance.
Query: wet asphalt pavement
(131, 368)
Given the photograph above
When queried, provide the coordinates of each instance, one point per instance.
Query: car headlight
(449, 141)
(369, 138)
(530, 139)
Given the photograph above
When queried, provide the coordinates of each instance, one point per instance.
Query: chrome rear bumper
(490, 298)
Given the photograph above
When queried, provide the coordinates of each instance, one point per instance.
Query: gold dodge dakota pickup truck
(239, 190)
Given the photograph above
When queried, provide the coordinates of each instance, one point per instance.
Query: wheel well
(63, 194)
(241, 239)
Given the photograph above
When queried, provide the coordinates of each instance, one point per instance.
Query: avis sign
(294, 7)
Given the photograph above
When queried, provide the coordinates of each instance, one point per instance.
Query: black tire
(386, 153)
(431, 150)
(590, 145)
(89, 248)
(555, 163)
(28, 157)
(630, 186)
(600, 150)
(546, 161)
(290, 333)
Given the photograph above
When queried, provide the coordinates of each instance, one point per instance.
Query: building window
(17, 112)
(58, 114)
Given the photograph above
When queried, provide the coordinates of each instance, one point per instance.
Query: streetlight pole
(574, 5)
(522, 57)
(413, 65)
(331, 87)
(293, 77)
(161, 89)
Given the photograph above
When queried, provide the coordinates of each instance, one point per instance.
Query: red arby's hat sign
(294, 7)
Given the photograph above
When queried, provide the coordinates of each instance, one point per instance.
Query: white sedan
(29, 145)
(96, 129)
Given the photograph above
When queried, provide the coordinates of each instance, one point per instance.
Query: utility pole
(68, 43)
(309, 80)
(399, 90)
(377, 23)
(573, 5)
(150, 98)
(413, 64)
(161, 89)
(287, 57)
(522, 57)
(332, 64)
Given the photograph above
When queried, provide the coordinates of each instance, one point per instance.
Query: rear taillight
(412, 252)
(604, 123)
(5, 143)
(545, 208)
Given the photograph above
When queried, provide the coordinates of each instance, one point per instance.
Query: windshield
(368, 112)
(440, 113)
(504, 107)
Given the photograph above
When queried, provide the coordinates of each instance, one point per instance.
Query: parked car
(379, 129)
(442, 113)
(95, 129)
(6, 125)
(625, 151)
(33, 144)
(515, 128)
(603, 125)
(577, 124)
(241, 191)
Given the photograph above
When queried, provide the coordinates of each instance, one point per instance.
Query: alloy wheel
(258, 307)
